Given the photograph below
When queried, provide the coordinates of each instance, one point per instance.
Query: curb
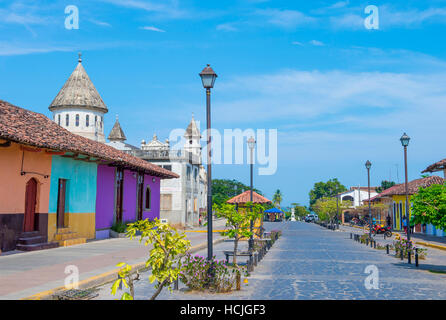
(106, 276)
(426, 244)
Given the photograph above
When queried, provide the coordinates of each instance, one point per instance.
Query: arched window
(77, 120)
(148, 201)
(67, 120)
(87, 121)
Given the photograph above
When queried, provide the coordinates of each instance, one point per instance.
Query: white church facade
(79, 108)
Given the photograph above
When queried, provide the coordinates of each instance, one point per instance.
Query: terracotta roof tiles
(34, 129)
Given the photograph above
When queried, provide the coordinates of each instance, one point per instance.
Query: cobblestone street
(310, 262)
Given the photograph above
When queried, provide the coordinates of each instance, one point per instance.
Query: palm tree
(277, 198)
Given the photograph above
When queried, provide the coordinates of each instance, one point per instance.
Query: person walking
(405, 224)
(388, 220)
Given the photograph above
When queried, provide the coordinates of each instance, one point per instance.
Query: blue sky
(337, 93)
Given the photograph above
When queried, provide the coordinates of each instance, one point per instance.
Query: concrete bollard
(387, 248)
(416, 257)
(402, 254)
(175, 284)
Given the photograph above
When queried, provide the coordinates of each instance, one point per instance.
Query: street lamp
(368, 165)
(405, 142)
(251, 144)
(208, 77)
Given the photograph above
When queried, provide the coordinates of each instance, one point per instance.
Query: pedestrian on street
(388, 220)
(405, 224)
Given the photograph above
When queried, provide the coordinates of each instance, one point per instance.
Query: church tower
(78, 107)
(193, 136)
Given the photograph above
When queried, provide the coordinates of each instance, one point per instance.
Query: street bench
(239, 254)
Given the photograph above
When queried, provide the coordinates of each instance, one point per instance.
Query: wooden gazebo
(245, 197)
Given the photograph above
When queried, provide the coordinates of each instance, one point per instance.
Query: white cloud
(151, 28)
(285, 18)
(100, 23)
(316, 43)
(226, 27)
(165, 9)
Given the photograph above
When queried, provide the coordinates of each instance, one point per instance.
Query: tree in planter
(327, 208)
(429, 206)
(238, 221)
(168, 247)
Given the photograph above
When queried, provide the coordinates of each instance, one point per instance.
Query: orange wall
(13, 185)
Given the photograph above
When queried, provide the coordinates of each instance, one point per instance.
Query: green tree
(429, 206)
(300, 211)
(238, 221)
(224, 189)
(328, 208)
(385, 185)
(325, 189)
(277, 198)
(168, 247)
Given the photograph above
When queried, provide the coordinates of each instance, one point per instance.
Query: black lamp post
(208, 77)
(251, 145)
(405, 142)
(368, 165)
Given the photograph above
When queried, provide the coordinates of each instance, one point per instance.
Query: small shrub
(195, 274)
(119, 227)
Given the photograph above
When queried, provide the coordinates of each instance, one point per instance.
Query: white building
(184, 198)
(357, 195)
(78, 107)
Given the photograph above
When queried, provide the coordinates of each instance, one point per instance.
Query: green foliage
(385, 185)
(328, 208)
(300, 211)
(196, 274)
(224, 189)
(325, 189)
(167, 246)
(119, 227)
(277, 198)
(238, 221)
(429, 206)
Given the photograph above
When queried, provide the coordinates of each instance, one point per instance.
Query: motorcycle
(382, 230)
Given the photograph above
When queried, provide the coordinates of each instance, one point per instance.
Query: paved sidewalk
(435, 259)
(28, 273)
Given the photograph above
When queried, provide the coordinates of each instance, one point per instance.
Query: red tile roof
(413, 187)
(34, 129)
(437, 166)
(246, 197)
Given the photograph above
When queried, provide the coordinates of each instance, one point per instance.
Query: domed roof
(79, 92)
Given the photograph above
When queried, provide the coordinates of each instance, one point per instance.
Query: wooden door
(119, 194)
(30, 205)
(140, 196)
(61, 203)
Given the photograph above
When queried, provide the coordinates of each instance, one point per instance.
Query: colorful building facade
(58, 188)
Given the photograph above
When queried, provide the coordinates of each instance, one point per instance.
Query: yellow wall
(81, 223)
(397, 199)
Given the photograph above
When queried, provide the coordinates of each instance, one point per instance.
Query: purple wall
(155, 205)
(105, 201)
(105, 198)
(130, 199)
